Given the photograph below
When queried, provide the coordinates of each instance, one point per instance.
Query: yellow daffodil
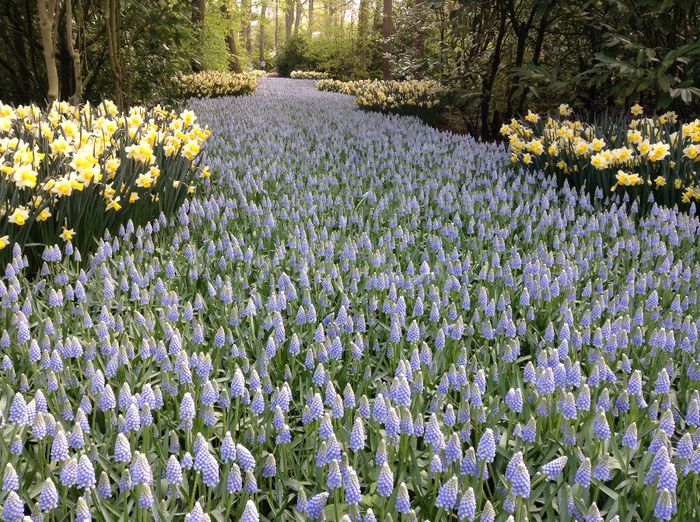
(62, 187)
(4, 242)
(67, 235)
(190, 150)
(581, 147)
(532, 117)
(43, 215)
(19, 216)
(599, 161)
(113, 204)
(626, 179)
(636, 110)
(597, 144)
(659, 151)
(564, 109)
(692, 152)
(144, 180)
(141, 152)
(24, 176)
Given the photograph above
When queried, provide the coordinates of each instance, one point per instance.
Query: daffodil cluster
(211, 84)
(71, 172)
(308, 75)
(352, 88)
(658, 156)
(422, 98)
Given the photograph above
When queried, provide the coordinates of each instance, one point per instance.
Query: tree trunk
(231, 44)
(297, 18)
(261, 39)
(288, 18)
(537, 49)
(198, 11)
(277, 24)
(74, 55)
(233, 63)
(247, 8)
(47, 19)
(420, 34)
(377, 16)
(488, 81)
(111, 15)
(362, 16)
(386, 33)
(311, 17)
(522, 31)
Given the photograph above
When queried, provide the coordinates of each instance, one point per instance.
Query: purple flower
(85, 473)
(521, 481)
(315, 505)
(48, 497)
(553, 469)
(270, 467)
(385, 481)
(664, 505)
(250, 512)
(447, 496)
(10, 480)
(234, 482)
(403, 501)
(467, 506)
(583, 473)
(353, 495)
(13, 508)
(245, 458)
(486, 450)
(140, 469)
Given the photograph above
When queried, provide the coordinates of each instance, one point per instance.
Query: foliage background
(496, 58)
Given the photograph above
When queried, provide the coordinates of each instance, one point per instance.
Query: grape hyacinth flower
(447, 497)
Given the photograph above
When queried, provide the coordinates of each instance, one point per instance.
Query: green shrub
(293, 56)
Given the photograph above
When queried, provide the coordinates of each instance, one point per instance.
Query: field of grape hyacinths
(357, 318)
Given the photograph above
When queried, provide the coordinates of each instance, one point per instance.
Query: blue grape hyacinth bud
(315, 505)
(250, 512)
(403, 501)
(85, 473)
(486, 450)
(664, 506)
(10, 480)
(48, 497)
(173, 471)
(447, 496)
(13, 508)
(521, 481)
(385, 481)
(553, 469)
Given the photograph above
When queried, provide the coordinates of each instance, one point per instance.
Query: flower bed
(359, 318)
(212, 84)
(308, 75)
(642, 156)
(421, 98)
(73, 172)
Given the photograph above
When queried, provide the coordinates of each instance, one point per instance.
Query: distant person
(262, 64)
